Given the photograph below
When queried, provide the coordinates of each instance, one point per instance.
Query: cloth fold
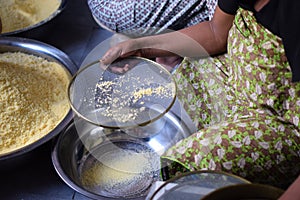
(245, 107)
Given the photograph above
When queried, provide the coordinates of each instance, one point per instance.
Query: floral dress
(246, 108)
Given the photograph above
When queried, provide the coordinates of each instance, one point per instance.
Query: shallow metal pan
(16, 44)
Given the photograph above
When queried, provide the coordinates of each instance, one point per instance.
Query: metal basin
(195, 185)
(61, 7)
(82, 145)
(246, 191)
(15, 44)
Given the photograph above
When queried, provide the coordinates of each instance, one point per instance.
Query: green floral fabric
(245, 106)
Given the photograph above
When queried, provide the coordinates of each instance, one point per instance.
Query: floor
(32, 176)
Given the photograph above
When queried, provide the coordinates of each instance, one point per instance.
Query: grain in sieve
(119, 97)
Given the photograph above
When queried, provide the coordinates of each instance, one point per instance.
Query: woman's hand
(121, 66)
(134, 47)
(121, 50)
(201, 40)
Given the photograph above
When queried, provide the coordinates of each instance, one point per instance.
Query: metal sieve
(128, 93)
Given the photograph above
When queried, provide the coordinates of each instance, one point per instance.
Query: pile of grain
(19, 14)
(33, 99)
(124, 172)
(123, 100)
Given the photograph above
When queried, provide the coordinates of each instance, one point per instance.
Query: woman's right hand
(120, 50)
(203, 39)
(134, 47)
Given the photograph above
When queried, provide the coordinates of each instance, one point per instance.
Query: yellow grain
(33, 99)
(117, 170)
(19, 14)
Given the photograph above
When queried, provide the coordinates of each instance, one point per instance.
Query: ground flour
(33, 98)
(18, 14)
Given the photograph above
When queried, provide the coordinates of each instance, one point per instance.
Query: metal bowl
(246, 192)
(61, 7)
(83, 144)
(29, 46)
(195, 185)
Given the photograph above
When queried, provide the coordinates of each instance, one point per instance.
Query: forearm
(189, 42)
(203, 39)
(206, 38)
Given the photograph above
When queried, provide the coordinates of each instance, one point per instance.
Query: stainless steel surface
(118, 161)
(39, 24)
(15, 44)
(79, 140)
(246, 192)
(195, 185)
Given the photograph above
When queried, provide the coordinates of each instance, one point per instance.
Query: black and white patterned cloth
(145, 17)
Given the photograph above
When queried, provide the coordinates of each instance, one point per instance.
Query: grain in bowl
(21, 14)
(33, 99)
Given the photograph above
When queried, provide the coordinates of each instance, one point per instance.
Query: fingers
(111, 55)
(132, 47)
(121, 66)
(121, 50)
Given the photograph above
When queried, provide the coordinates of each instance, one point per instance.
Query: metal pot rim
(18, 44)
(53, 15)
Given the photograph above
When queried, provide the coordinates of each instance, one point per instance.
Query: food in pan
(33, 98)
(19, 14)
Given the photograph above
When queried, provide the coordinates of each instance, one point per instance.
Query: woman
(142, 17)
(245, 99)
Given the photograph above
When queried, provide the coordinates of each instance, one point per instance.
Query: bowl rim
(65, 177)
(61, 7)
(72, 184)
(195, 172)
(265, 191)
(34, 47)
(82, 69)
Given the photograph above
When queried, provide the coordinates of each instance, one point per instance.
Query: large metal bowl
(195, 185)
(16, 44)
(61, 7)
(245, 191)
(83, 144)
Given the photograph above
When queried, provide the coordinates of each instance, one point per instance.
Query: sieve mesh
(125, 94)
